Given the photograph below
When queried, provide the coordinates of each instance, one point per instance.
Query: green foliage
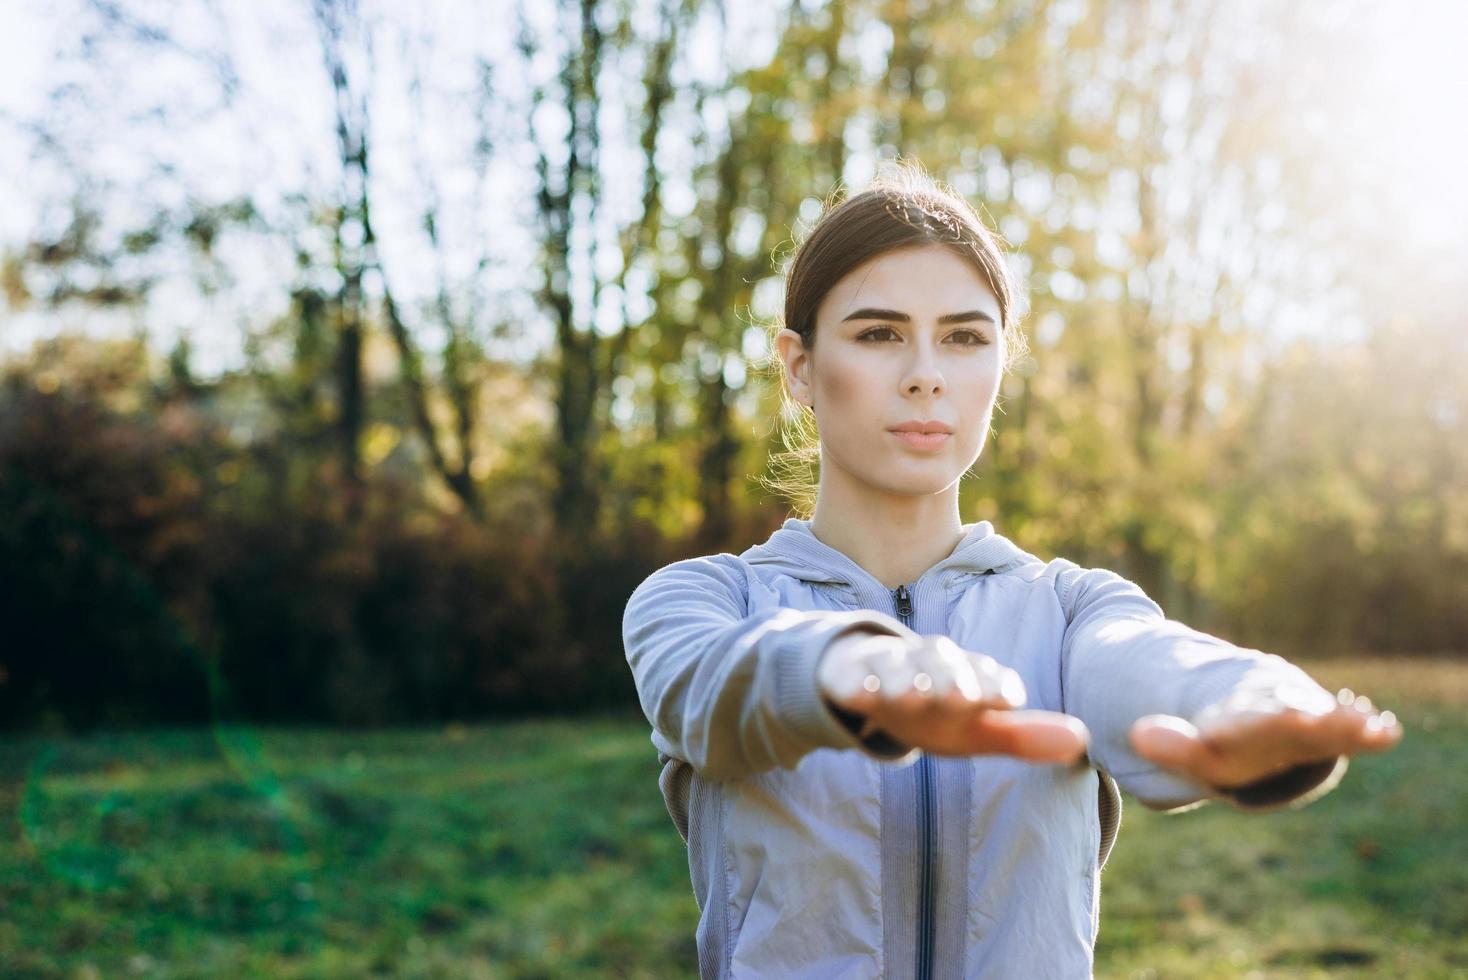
(1350, 499)
(542, 849)
(153, 569)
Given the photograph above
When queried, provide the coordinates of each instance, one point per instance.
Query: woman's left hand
(1254, 735)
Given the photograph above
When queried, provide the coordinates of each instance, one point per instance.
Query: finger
(928, 661)
(951, 671)
(1169, 741)
(1368, 729)
(898, 678)
(861, 693)
(844, 671)
(1352, 729)
(1001, 685)
(1294, 736)
(1037, 736)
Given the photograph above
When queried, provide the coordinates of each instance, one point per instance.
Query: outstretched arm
(734, 692)
(1179, 717)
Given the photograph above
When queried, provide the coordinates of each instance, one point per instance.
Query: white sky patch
(26, 43)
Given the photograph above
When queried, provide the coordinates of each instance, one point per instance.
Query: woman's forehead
(922, 281)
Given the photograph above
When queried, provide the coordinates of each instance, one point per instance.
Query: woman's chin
(916, 484)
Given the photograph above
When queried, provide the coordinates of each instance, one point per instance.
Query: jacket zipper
(903, 599)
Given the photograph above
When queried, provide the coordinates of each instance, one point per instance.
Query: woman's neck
(895, 538)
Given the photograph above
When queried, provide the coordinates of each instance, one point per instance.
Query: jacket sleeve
(1122, 659)
(732, 692)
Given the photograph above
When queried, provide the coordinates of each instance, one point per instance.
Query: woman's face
(910, 336)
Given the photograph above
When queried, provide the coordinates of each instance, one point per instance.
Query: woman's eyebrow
(867, 313)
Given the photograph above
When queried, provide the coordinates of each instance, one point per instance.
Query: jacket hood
(795, 551)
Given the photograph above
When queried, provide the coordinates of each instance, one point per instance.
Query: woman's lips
(923, 440)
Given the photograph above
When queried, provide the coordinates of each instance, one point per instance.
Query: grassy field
(541, 849)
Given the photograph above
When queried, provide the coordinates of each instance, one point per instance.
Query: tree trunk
(334, 19)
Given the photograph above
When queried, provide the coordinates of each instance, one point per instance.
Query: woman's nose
(922, 372)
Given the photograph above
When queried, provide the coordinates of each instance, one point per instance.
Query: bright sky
(1400, 119)
(25, 50)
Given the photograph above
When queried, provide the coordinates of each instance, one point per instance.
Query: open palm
(1252, 736)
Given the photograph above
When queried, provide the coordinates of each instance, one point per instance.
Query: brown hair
(903, 207)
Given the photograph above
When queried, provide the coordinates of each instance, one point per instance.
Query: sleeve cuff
(878, 743)
(817, 721)
(1293, 788)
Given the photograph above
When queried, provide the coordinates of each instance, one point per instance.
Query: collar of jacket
(794, 550)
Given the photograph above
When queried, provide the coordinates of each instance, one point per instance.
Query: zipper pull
(904, 601)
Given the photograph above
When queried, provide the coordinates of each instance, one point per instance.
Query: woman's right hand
(933, 695)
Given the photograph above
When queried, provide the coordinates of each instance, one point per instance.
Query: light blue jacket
(815, 854)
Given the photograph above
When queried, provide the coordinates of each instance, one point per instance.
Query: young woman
(891, 740)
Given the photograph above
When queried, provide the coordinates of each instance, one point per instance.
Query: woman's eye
(964, 338)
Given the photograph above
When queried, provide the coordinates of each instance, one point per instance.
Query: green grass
(542, 849)
(1369, 881)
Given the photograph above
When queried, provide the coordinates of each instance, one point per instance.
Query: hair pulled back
(903, 207)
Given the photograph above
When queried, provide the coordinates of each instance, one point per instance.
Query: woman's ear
(797, 365)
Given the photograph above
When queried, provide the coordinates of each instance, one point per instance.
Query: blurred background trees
(359, 362)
